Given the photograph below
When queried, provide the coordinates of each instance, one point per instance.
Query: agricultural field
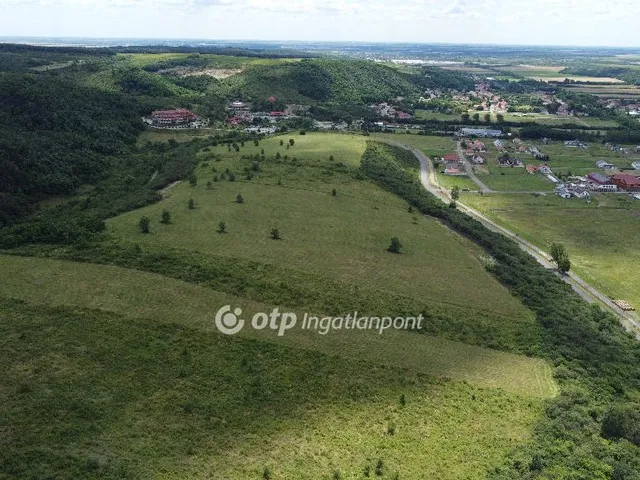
(597, 235)
(606, 91)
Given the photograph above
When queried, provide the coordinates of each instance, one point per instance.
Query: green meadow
(598, 236)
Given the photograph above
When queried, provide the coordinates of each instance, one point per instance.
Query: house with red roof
(627, 182)
(173, 118)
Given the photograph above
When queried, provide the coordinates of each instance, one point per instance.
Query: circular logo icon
(227, 321)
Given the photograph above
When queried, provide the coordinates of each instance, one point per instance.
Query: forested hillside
(56, 135)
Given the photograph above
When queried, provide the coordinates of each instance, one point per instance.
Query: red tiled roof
(451, 157)
(176, 114)
(626, 179)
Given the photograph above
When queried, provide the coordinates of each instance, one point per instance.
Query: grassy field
(343, 236)
(515, 179)
(431, 146)
(449, 181)
(89, 394)
(597, 235)
(429, 115)
(150, 296)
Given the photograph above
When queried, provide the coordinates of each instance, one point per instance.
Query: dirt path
(469, 169)
(168, 188)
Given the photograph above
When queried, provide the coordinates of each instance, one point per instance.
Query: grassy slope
(145, 295)
(93, 395)
(342, 237)
(597, 236)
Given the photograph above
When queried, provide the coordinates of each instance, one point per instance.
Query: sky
(529, 22)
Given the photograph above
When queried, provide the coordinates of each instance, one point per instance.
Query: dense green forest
(56, 135)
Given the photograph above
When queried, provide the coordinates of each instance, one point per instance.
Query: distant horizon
(5, 39)
(571, 23)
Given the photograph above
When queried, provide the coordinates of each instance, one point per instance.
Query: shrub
(395, 246)
(165, 217)
(222, 227)
(239, 198)
(191, 204)
(275, 234)
(145, 225)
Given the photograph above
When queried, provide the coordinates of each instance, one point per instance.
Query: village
(474, 156)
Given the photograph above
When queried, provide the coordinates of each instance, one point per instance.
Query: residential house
(453, 166)
(605, 165)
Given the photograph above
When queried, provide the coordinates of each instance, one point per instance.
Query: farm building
(480, 132)
(624, 181)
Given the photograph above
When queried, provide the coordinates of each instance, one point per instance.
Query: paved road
(586, 291)
(469, 170)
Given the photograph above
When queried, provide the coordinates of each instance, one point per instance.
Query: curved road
(586, 291)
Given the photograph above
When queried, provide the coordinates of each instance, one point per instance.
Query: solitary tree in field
(410, 209)
(395, 245)
(145, 225)
(331, 158)
(275, 234)
(560, 257)
(165, 217)
(281, 142)
(277, 155)
(193, 180)
(191, 204)
(292, 142)
(222, 227)
(455, 192)
(239, 199)
(334, 192)
(256, 143)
